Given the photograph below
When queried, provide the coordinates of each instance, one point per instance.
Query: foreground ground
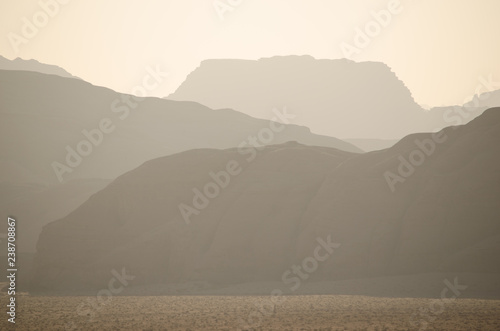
(307, 312)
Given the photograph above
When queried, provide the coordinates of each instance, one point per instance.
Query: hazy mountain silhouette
(42, 115)
(441, 117)
(360, 101)
(36, 205)
(339, 98)
(442, 217)
(369, 145)
(462, 114)
(33, 65)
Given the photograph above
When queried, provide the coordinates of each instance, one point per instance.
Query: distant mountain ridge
(33, 65)
(342, 98)
(332, 97)
(48, 114)
(47, 121)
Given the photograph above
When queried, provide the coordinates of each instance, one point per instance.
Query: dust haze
(308, 183)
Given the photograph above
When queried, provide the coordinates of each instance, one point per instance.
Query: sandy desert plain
(214, 311)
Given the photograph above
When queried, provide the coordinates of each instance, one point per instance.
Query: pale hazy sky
(439, 48)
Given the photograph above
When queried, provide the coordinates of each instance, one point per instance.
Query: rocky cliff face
(428, 203)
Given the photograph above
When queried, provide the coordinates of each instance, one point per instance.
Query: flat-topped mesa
(332, 97)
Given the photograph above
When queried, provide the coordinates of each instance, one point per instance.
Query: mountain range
(52, 133)
(33, 65)
(175, 191)
(362, 101)
(429, 203)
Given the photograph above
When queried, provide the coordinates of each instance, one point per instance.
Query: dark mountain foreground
(291, 214)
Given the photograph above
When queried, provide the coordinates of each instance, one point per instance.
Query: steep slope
(33, 65)
(339, 98)
(43, 118)
(258, 212)
(271, 214)
(463, 114)
(444, 202)
(36, 205)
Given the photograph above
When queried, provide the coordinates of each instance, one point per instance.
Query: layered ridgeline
(58, 130)
(33, 65)
(430, 203)
(486, 97)
(341, 98)
(94, 132)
